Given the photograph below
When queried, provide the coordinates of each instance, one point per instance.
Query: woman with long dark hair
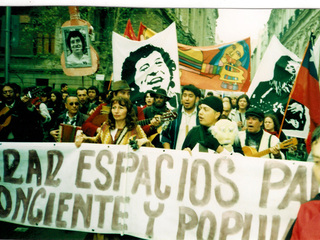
(120, 128)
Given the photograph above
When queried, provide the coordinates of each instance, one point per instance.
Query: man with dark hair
(200, 138)
(77, 46)
(63, 88)
(148, 68)
(82, 95)
(258, 139)
(93, 98)
(174, 135)
(19, 119)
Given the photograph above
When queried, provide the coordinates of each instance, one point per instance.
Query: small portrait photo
(76, 46)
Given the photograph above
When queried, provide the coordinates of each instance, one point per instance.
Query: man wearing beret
(210, 109)
(256, 137)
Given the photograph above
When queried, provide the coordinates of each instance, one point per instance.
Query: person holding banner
(121, 127)
(306, 226)
(258, 139)
(210, 109)
(92, 125)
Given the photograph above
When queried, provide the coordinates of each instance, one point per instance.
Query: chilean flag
(306, 88)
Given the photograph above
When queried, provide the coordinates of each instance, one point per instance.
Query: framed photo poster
(76, 46)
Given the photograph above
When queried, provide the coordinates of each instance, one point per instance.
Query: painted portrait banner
(223, 67)
(271, 87)
(150, 193)
(148, 64)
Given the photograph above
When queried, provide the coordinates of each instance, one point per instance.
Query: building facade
(292, 27)
(36, 39)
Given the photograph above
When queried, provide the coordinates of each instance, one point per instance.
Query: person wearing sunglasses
(71, 117)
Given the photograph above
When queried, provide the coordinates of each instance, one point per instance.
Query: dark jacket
(25, 124)
(200, 134)
(170, 134)
(81, 118)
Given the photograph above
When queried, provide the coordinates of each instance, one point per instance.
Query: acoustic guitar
(5, 113)
(252, 152)
(101, 118)
(167, 116)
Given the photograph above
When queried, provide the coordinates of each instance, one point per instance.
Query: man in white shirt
(173, 136)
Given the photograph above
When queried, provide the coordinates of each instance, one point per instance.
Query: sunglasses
(74, 103)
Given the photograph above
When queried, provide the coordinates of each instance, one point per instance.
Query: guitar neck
(262, 153)
(144, 122)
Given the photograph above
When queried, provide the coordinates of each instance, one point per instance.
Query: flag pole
(293, 87)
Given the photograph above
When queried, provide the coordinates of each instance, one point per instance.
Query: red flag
(306, 88)
(141, 30)
(145, 32)
(129, 31)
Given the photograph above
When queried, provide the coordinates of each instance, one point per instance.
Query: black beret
(214, 102)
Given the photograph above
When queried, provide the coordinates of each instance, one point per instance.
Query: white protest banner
(148, 65)
(150, 193)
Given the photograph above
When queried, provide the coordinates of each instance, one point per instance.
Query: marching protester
(210, 109)
(118, 89)
(55, 105)
(258, 139)
(238, 114)
(93, 99)
(226, 110)
(82, 94)
(64, 88)
(154, 112)
(20, 121)
(64, 96)
(71, 117)
(120, 128)
(234, 100)
(306, 226)
(272, 126)
(173, 136)
(148, 98)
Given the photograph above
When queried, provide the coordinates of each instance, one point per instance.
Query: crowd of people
(39, 115)
(36, 115)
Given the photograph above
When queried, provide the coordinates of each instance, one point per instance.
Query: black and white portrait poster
(148, 65)
(271, 87)
(76, 46)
